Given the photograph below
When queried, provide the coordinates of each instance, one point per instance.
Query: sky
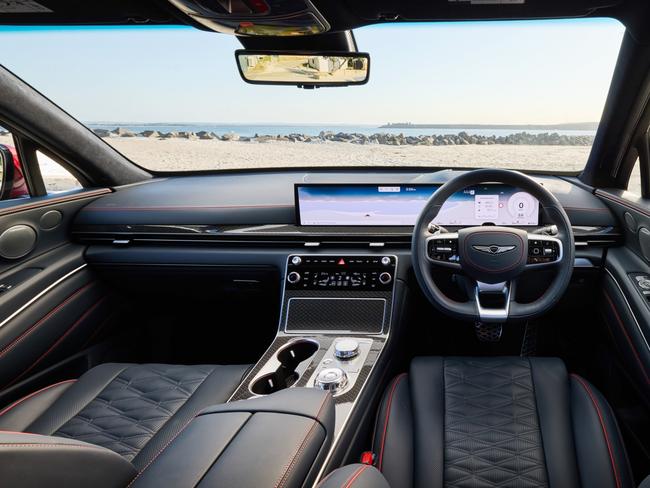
(532, 72)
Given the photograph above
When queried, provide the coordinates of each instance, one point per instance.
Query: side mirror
(303, 69)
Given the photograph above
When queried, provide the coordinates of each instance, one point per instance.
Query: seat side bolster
(602, 460)
(393, 438)
(354, 476)
(427, 384)
(20, 414)
(37, 460)
(552, 398)
(76, 397)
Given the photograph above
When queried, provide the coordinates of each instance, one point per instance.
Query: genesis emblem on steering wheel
(494, 249)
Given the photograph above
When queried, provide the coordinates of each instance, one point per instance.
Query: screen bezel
(296, 198)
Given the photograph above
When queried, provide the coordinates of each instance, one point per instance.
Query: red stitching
(602, 426)
(161, 451)
(60, 339)
(53, 201)
(355, 475)
(584, 209)
(52, 312)
(289, 467)
(627, 337)
(388, 407)
(18, 402)
(622, 202)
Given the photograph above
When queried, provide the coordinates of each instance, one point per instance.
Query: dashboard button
(296, 260)
(293, 277)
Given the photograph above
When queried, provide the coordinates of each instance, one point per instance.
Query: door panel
(628, 319)
(51, 305)
(625, 307)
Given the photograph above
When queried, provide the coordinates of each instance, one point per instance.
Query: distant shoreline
(569, 126)
(460, 138)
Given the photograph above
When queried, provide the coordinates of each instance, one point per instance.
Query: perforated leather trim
(134, 406)
(492, 433)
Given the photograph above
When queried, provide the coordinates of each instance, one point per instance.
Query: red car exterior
(19, 185)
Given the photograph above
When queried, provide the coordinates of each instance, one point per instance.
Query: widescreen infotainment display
(400, 205)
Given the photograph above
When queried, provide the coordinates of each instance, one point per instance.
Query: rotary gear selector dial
(331, 379)
(345, 349)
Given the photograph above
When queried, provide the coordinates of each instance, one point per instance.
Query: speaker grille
(336, 314)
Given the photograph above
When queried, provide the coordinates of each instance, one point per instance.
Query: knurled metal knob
(331, 379)
(346, 348)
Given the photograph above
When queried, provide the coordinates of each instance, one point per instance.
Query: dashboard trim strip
(49, 288)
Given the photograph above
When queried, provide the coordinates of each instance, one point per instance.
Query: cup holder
(295, 353)
(290, 361)
(272, 382)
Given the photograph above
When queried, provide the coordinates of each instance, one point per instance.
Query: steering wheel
(492, 257)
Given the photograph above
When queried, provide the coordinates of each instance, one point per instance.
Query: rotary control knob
(385, 260)
(293, 277)
(346, 349)
(385, 278)
(296, 260)
(331, 379)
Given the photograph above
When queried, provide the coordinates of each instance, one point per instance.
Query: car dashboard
(338, 284)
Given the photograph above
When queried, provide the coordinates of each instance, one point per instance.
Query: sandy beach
(186, 154)
(182, 154)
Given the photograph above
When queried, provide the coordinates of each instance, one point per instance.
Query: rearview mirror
(305, 69)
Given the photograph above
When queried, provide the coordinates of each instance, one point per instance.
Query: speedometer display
(400, 205)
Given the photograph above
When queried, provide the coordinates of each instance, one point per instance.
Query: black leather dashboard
(267, 198)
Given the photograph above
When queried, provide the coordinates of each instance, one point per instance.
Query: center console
(334, 323)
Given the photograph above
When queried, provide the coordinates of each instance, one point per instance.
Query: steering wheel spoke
(493, 300)
(442, 250)
(543, 251)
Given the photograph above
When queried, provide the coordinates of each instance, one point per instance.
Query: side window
(634, 184)
(55, 176)
(12, 179)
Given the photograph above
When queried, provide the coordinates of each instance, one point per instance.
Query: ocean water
(313, 130)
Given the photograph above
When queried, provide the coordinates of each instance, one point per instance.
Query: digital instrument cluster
(399, 205)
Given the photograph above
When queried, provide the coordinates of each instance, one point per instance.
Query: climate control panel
(340, 272)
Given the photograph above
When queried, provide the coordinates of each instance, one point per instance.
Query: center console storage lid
(277, 441)
(33, 460)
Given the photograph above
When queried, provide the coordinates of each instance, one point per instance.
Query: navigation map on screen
(400, 205)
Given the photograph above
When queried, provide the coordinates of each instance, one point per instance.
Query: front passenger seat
(107, 427)
(491, 422)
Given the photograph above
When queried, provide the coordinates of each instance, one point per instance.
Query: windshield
(525, 95)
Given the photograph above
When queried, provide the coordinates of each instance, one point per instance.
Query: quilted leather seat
(131, 410)
(491, 422)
